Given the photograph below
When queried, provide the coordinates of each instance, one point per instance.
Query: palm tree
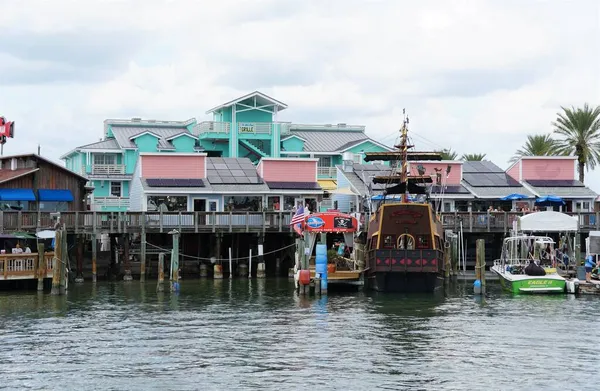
(448, 154)
(537, 145)
(580, 129)
(473, 157)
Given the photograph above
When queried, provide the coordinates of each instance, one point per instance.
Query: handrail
(273, 221)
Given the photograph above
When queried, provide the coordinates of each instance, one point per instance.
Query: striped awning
(327, 184)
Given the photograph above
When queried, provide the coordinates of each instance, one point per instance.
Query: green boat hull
(534, 285)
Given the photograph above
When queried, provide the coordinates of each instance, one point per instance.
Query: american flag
(298, 219)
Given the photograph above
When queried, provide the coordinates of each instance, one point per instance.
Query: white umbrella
(46, 234)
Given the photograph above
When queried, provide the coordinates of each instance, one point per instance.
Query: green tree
(448, 154)
(537, 145)
(473, 157)
(579, 129)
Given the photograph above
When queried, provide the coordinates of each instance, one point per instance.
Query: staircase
(253, 149)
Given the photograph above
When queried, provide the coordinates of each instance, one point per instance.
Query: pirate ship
(405, 240)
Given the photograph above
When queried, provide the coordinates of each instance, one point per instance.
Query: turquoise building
(244, 127)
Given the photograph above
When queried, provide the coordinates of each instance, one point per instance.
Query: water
(224, 335)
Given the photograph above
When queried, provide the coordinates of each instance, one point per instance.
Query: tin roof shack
(31, 182)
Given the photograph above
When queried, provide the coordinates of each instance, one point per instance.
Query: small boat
(528, 265)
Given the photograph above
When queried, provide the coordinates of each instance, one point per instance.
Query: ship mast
(404, 148)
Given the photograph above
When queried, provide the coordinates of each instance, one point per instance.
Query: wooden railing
(108, 169)
(118, 222)
(23, 266)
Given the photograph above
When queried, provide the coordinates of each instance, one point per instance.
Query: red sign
(330, 222)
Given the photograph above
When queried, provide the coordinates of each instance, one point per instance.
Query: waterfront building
(245, 127)
(194, 182)
(33, 183)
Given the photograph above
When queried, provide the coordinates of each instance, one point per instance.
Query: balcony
(327, 172)
(211, 127)
(343, 127)
(108, 169)
(100, 203)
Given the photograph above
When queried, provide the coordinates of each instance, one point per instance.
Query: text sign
(247, 128)
(331, 222)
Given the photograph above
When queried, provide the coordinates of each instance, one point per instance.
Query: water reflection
(234, 336)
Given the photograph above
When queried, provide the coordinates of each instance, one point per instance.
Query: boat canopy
(548, 222)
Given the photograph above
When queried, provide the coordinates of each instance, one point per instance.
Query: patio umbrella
(549, 200)
(380, 197)
(24, 235)
(513, 197)
(46, 234)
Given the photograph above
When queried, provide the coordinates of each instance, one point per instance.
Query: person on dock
(590, 263)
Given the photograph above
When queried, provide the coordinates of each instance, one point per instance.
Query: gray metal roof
(110, 143)
(362, 175)
(579, 191)
(123, 135)
(324, 141)
(498, 192)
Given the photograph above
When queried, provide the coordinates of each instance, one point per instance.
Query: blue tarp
(17, 195)
(58, 195)
(514, 196)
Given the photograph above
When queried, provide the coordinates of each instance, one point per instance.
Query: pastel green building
(244, 127)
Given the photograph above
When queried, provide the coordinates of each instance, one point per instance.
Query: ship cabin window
(406, 242)
(389, 241)
(372, 243)
(423, 241)
(438, 242)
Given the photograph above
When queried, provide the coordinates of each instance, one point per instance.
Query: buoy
(304, 277)
(477, 287)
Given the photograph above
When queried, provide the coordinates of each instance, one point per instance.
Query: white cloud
(476, 76)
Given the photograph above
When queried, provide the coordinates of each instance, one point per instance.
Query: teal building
(244, 127)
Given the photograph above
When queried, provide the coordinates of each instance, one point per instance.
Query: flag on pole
(298, 220)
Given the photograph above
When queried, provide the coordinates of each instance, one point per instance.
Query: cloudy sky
(475, 76)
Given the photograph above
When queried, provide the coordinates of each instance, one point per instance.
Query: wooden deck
(211, 222)
(341, 276)
(24, 266)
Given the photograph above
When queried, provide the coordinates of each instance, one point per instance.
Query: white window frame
(120, 188)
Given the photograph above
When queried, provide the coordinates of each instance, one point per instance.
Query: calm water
(223, 335)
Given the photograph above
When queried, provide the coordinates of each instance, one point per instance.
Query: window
(14, 205)
(582, 206)
(273, 203)
(358, 158)
(447, 207)
(325, 161)
(167, 203)
(115, 189)
(243, 203)
(423, 241)
(104, 159)
(53, 206)
(389, 241)
(288, 202)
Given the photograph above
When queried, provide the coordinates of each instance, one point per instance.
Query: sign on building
(247, 128)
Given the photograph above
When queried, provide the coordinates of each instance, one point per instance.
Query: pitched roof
(123, 135)
(110, 143)
(46, 160)
(328, 141)
(498, 192)
(259, 95)
(563, 189)
(9, 175)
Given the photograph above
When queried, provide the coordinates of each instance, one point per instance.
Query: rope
(220, 259)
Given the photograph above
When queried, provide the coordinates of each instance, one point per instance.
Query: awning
(327, 184)
(23, 235)
(344, 190)
(17, 195)
(58, 195)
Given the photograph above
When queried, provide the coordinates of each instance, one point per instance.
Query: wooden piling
(161, 273)
(80, 244)
(94, 256)
(480, 263)
(63, 278)
(175, 262)
(57, 263)
(143, 255)
(126, 263)
(41, 267)
(447, 263)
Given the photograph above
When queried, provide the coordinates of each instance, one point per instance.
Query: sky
(474, 76)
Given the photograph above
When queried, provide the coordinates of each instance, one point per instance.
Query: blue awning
(17, 195)
(58, 195)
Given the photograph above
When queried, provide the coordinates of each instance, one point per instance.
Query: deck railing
(22, 266)
(235, 221)
(108, 169)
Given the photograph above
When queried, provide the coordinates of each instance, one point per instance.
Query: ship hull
(405, 282)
